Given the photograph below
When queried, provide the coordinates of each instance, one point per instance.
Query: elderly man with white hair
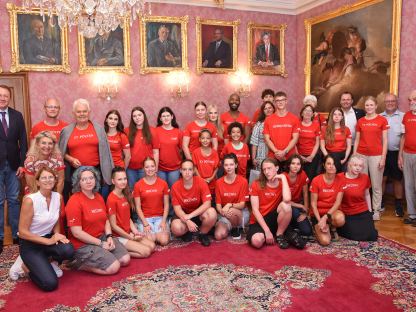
(84, 143)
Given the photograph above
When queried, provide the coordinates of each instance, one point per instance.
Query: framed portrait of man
(163, 44)
(216, 45)
(355, 49)
(108, 51)
(37, 42)
(266, 49)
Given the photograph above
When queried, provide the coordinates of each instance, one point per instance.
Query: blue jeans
(9, 190)
(134, 175)
(169, 176)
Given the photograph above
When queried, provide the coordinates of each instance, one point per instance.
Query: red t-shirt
(231, 193)
(269, 198)
(170, 148)
(243, 155)
(296, 188)
(191, 199)
(151, 196)
(353, 201)
(226, 120)
(307, 138)
(327, 193)
(117, 143)
(120, 207)
(206, 165)
(281, 130)
(409, 124)
(83, 145)
(192, 131)
(371, 135)
(42, 126)
(90, 214)
(141, 150)
(340, 140)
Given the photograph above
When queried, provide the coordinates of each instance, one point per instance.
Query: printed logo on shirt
(230, 194)
(124, 204)
(83, 136)
(96, 210)
(351, 185)
(206, 161)
(370, 124)
(282, 126)
(71, 221)
(151, 191)
(271, 194)
(190, 200)
(328, 191)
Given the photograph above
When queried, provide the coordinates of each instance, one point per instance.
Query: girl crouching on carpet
(39, 232)
(231, 195)
(191, 200)
(326, 195)
(151, 196)
(90, 232)
(298, 184)
(356, 203)
(270, 204)
(119, 204)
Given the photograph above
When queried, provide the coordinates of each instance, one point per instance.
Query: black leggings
(36, 258)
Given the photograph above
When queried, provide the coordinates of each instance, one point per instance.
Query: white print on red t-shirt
(96, 210)
(83, 136)
(190, 200)
(283, 126)
(328, 190)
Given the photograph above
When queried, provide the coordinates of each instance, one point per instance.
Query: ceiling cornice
(290, 7)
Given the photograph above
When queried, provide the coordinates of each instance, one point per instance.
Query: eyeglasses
(412, 100)
(48, 178)
(280, 100)
(52, 107)
(92, 178)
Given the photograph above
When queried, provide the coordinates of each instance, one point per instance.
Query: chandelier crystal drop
(91, 16)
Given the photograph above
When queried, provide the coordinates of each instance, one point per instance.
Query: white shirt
(351, 122)
(44, 219)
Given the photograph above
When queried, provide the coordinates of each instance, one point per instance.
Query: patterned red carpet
(231, 276)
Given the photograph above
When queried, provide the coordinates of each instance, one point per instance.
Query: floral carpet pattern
(210, 287)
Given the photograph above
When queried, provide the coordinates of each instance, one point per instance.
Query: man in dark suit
(351, 114)
(13, 148)
(218, 54)
(39, 48)
(163, 52)
(267, 53)
(105, 50)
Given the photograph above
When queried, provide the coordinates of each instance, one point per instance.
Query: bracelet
(108, 235)
(329, 216)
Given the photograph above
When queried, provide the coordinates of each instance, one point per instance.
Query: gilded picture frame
(212, 59)
(37, 43)
(266, 49)
(109, 52)
(163, 44)
(350, 50)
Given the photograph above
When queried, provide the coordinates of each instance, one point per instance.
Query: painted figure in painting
(105, 50)
(218, 53)
(163, 52)
(267, 53)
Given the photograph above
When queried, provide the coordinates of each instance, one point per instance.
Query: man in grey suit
(39, 48)
(267, 53)
(163, 52)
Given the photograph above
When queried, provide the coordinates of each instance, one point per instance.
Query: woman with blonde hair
(214, 118)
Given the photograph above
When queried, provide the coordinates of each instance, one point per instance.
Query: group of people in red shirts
(167, 182)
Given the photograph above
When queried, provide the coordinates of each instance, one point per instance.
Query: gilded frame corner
(234, 24)
(281, 69)
(395, 40)
(16, 66)
(144, 68)
(125, 69)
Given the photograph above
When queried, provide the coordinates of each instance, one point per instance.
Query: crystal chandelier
(91, 16)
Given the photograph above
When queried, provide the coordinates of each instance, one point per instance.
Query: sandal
(282, 242)
(295, 239)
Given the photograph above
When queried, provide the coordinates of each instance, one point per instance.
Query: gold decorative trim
(144, 69)
(126, 69)
(15, 65)
(199, 23)
(395, 43)
(281, 69)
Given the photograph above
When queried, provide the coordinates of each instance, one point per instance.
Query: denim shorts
(154, 223)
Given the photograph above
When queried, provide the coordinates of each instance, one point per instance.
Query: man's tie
(267, 53)
(217, 45)
(4, 122)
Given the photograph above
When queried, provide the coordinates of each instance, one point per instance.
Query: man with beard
(281, 130)
(234, 115)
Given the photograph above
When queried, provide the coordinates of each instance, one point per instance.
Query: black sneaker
(235, 233)
(295, 239)
(409, 221)
(399, 210)
(187, 237)
(15, 241)
(282, 242)
(204, 239)
(1, 246)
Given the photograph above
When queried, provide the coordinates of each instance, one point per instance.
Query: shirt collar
(396, 112)
(5, 110)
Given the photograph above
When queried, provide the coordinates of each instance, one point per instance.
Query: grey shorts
(97, 257)
(244, 221)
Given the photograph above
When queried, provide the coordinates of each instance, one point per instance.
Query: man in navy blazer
(218, 54)
(351, 114)
(267, 53)
(13, 148)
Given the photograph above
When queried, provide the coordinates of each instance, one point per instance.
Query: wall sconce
(106, 84)
(178, 82)
(242, 80)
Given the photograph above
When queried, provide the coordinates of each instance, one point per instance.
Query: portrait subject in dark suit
(105, 50)
(13, 148)
(267, 53)
(218, 53)
(162, 51)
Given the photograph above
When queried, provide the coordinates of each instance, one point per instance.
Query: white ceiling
(291, 7)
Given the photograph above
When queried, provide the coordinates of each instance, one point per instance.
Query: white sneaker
(376, 216)
(57, 269)
(16, 270)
